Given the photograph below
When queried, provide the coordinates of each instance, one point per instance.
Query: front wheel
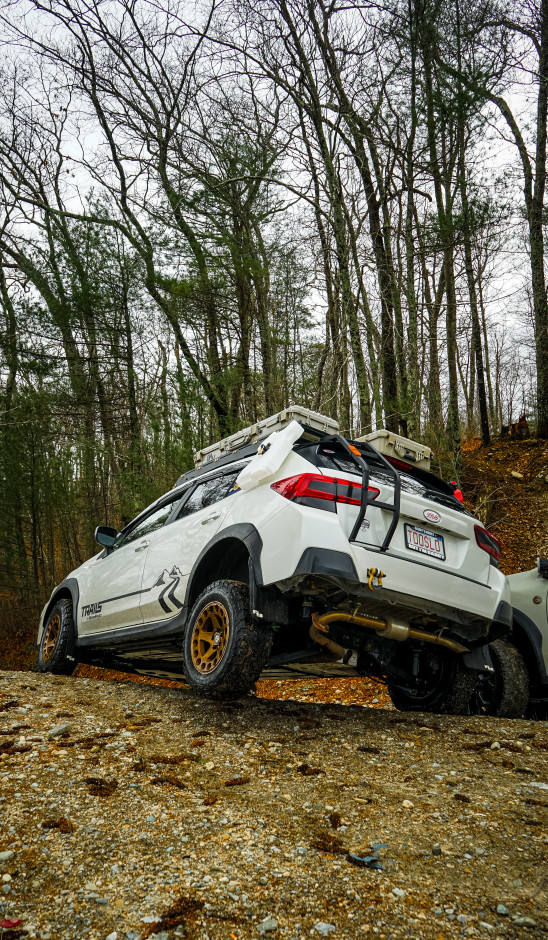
(52, 652)
(444, 685)
(224, 648)
(505, 692)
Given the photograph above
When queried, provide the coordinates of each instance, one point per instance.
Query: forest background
(210, 210)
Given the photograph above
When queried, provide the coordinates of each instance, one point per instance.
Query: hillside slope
(514, 507)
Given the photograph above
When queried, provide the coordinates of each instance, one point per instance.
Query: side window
(150, 523)
(209, 492)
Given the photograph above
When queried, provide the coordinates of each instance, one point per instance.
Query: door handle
(211, 518)
(141, 547)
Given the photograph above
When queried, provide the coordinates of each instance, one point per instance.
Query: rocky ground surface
(131, 811)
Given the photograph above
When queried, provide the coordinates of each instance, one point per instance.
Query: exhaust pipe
(391, 629)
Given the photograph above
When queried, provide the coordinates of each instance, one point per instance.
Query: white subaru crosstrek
(292, 548)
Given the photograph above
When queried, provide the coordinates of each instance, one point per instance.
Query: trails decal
(171, 582)
(91, 610)
(168, 581)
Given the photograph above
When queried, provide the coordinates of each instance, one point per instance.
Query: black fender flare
(68, 586)
(530, 642)
(243, 532)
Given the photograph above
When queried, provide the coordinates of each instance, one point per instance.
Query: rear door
(172, 551)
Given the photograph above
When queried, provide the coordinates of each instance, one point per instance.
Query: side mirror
(105, 535)
(542, 567)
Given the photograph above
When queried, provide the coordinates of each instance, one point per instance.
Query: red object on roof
(456, 492)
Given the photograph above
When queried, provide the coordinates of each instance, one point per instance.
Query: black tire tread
(58, 664)
(514, 695)
(453, 699)
(250, 650)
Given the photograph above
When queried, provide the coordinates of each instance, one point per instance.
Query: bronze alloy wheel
(210, 637)
(51, 637)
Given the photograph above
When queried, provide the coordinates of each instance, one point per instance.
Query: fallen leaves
(326, 842)
(169, 778)
(183, 911)
(62, 824)
(307, 771)
(172, 758)
(97, 786)
(11, 703)
(237, 781)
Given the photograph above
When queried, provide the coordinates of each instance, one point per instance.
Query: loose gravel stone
(268, 925)
(60, 731)
(144, 859)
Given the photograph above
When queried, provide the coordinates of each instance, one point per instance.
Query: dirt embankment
(130, 810)
(506, 486)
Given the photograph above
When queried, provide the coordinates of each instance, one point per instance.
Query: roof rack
(244, 443)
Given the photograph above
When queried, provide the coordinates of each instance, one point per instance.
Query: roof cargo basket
(256, 432)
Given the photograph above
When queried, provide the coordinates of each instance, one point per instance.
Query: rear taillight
(315, 486)
(488, 542)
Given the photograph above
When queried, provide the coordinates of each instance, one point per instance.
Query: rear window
(209, 492)
(332, 456)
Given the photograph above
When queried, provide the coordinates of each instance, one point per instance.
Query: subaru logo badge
(431, 515)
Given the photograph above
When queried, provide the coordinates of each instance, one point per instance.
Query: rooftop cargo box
(392, 445)
(260, 430)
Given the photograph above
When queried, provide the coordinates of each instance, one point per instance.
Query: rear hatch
(433, 529)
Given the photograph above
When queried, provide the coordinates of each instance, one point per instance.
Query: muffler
(391, 629)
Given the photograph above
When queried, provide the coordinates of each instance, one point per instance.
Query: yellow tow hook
(374, 579)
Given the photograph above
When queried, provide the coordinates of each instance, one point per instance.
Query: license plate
(421, 540)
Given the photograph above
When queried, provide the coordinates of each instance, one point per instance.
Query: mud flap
(479, 659)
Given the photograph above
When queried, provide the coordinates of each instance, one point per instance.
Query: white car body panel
(171, 554)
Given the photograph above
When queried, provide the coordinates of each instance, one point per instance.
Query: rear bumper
(478, 612)
(301, 543)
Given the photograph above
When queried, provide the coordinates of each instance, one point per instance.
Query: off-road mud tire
(57, 661)
(506, 694)
(247, 648)
(450, 696)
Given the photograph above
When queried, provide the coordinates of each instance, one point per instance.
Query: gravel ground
(132, 811)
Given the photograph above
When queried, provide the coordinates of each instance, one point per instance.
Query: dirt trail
(153, 813)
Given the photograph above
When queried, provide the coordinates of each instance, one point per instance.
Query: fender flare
(530, 633)
(243, 532)
(71, 586)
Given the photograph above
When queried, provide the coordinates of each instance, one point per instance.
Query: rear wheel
(52, 652)
(444, 685)
(224, 648)
(504, 693)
